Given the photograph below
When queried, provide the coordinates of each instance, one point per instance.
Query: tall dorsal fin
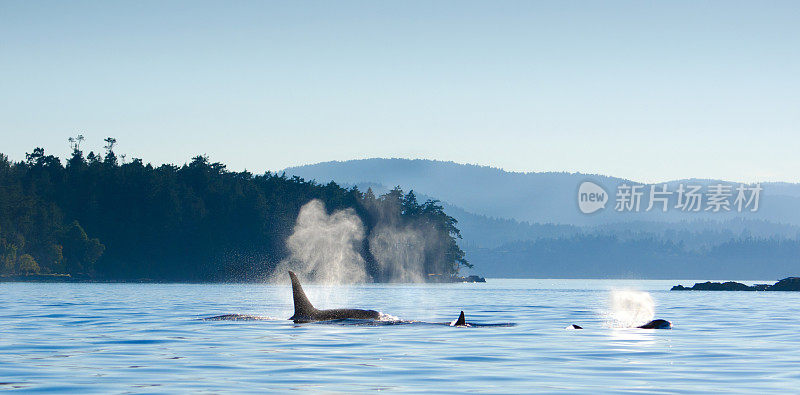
(302, 306)
(461, 321)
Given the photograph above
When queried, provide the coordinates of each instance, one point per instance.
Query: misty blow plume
(397, 240)
(323, 247)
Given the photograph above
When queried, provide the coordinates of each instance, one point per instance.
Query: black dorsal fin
(302, 306)
(461, 321)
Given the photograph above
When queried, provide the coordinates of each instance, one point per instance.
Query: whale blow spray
(324, 247)
(628, 308)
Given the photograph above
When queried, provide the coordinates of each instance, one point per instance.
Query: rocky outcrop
(444, 278)
(474, 279)
(787, 284)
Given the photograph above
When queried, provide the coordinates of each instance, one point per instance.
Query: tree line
(99, 217)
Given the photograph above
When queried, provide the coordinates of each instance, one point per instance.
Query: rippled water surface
(152, 338)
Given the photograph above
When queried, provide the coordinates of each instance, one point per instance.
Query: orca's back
(341, 314)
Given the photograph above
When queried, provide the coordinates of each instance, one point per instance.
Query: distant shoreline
(66, 278)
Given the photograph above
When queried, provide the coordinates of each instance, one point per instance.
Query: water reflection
(631, 337)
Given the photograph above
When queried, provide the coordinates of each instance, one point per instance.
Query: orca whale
(657, 324)
(654, 324)
(304, 311)
(573, 326)
(461, 321)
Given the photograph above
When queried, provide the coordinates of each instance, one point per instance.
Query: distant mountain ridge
(477, 189)
(529, 224)
(547, 197)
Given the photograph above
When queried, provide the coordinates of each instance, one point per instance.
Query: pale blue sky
(644, 90)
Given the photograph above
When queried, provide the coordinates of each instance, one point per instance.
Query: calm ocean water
(112, 338)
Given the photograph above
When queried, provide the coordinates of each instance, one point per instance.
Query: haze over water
(151, 338)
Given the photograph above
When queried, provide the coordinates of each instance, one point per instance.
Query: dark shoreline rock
(441, 278)
(787, 284)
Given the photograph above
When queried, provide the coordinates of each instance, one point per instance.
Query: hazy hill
(548, 197)
(529, 224)
(481, 231)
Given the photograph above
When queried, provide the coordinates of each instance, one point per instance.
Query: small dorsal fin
(461, 321)
(302, 306)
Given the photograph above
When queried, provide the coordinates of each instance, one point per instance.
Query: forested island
(97, 217)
